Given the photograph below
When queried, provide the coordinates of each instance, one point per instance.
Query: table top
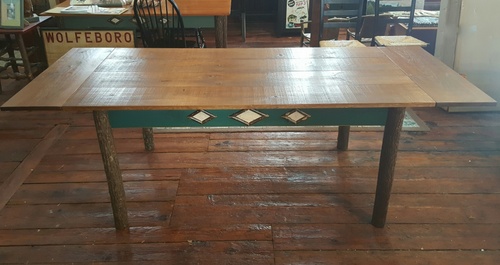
(27, 28)
(187, 7)
(236, 78)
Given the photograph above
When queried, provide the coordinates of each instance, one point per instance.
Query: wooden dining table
(248, 88)
(195, 13)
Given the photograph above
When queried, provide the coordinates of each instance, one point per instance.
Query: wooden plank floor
(249, 198)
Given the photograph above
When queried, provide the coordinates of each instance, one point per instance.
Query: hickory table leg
(112, 169)
(343, 137)
(387, 163)
(148, 137)
(220, 31)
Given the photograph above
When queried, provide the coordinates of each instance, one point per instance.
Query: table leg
(387, 163)
(112, 169)
(220, 31)
(244, 26)
(24, 56)
(12, 55)
(149, 140)
(243, 20)
(343, 137)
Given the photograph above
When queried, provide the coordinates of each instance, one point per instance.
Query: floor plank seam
(16, 179)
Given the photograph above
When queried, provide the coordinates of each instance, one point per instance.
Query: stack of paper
(93, 9)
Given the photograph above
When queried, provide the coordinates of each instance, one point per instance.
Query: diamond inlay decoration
(296, 116)
(201, 116)
(115, 20)
(249, 116)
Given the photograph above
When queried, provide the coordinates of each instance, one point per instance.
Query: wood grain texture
(299, 237)
(112, 169)
(388, 156)
(439, 81)
(68, 73)
(244, 78)
(361, 257)
(206, 206)
(17, 177)
(187, 252)
(187, 7)
(234, 78)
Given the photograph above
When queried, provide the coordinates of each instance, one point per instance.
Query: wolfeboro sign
(58, 42)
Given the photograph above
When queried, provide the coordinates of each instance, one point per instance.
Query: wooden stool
(340, 43)
(398, 41)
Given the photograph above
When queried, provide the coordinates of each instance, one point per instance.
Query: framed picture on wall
(12, 14)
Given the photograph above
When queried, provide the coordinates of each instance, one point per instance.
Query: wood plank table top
(187, 7)
(133, 78)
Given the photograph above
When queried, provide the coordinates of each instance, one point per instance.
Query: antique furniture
(340, 43)
(247, 88)
(15, 53)
(90, 29)
(398, 40)
(380, 22)
(333, 16)
(161, 25)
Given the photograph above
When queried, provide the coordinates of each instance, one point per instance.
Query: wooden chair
(398, 40)
(161, 25)
(368, 29)
(341, 43)
(3, 66)
(333, 16)
(305, 34)
(397, 17)
(339, 14)
(243, 16)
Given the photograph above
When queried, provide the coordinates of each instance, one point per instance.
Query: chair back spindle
(160, 23)
(338, 14)
(381, 22)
